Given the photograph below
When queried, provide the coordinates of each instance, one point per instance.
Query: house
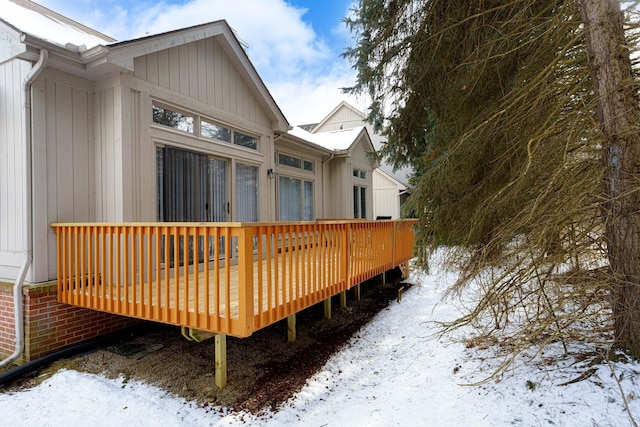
(389, 187)
(104, 144)
(389, 194)
(350, 167)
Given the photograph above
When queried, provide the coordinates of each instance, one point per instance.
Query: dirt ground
(264, 370)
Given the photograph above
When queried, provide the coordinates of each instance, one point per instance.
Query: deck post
(245, 279)
(356, 290)
(221, 360)
(291, 327)
(343, 299)
(405, 270)
(327, 308)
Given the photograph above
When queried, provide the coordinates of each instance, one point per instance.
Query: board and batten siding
(64, 162)
(204, 72)
(344, 118)
(12, 76)
(386, 197)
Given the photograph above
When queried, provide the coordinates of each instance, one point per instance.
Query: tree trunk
(619, 117)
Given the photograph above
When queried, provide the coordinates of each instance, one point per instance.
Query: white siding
(108, 184)
(386, 196)
(204, 72)
(64, 162)
(12, 156)
(344, 118)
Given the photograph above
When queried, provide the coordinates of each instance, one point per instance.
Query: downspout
(18, 310)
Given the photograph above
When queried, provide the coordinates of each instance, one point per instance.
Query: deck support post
(343, 299)
(405, 270)
(356, 290)
(291, 328)
(221, 360)
(327, 308)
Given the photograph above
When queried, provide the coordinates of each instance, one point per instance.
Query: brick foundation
(50, 325)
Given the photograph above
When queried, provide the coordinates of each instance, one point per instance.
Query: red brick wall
(50, 325)
(7, 333)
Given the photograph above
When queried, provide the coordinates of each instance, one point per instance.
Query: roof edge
(31, 5)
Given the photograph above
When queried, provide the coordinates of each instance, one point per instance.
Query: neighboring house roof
(29, 27)
(401, 187)
(309, 128)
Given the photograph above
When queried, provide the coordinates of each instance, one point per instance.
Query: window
(191, 187)
(359, 202)
(286, 160)
(246, 193)
(209, 130)
(295, 162)
(185, 122)
(358, 173)
(295, 199)
(246, 141)
(221, 133)
(174, 119)
(308, 166)
(179, 178)
(307, 215)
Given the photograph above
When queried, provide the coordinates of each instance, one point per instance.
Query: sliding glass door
(192, 187)
(195, 187)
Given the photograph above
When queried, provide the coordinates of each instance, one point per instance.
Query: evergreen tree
(497, 106)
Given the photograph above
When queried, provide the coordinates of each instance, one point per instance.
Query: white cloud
(309, 98)
(301, 71)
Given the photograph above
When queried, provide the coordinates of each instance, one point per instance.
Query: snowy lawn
(394, 372)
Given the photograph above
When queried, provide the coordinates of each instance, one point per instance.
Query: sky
(295, 45)
(396, 371)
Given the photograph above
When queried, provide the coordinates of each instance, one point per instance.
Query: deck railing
(227, 278)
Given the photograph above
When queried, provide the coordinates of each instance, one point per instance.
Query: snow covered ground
(394, 372)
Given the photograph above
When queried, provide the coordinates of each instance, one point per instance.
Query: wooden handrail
(229, 278)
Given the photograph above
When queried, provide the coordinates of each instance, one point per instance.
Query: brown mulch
(264, 370)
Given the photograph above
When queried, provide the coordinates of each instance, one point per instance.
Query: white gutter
(18, 309)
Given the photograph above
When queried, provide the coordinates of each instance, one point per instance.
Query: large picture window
(295, 199)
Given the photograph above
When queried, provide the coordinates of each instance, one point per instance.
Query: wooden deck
(245, 277)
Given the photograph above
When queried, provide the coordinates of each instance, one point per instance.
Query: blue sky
(295, 45)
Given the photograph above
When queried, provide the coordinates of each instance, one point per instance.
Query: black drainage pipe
(68, 351)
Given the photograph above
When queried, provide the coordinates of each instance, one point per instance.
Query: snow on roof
(334, 140)
(47, 25)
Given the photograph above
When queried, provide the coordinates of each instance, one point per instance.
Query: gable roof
(26, 27)
(341, 142)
